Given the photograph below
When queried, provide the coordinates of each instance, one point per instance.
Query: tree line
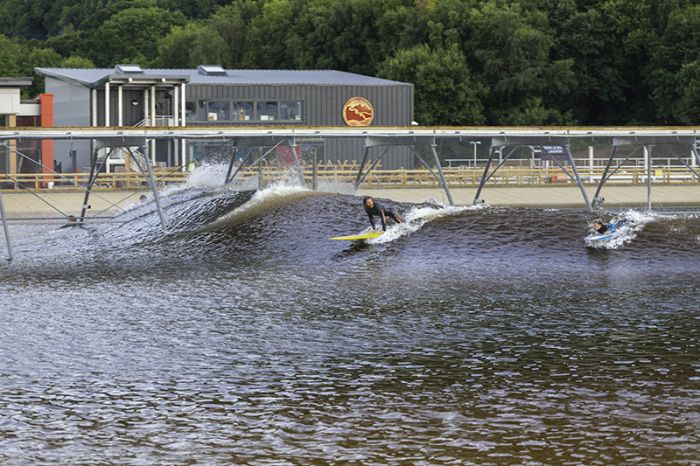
(473, 62)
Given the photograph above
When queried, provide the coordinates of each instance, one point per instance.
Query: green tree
(191, 45)
(76, 61)
(445, 93)
(232, 25)
(131, 35)
(338, 35)
(190, 8)
(686, 107)
(11, 53)
(402, 25)
(674, 66)
(268, 35)
(511, 55)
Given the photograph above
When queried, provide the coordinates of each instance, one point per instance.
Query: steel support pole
(261, 183)
(154, 188)
(502, 160)
(579, 182)
(6, 229)
(605, 174)
(358, 180)
(442, 175)
(371, 167)
(262, 157)
(229, 178)
(297, 161)
(689, 166)
(647, 158)
(230, 165)
(425, 164)
(91, 181)
(314, 176)
(484, 177)
(695, 153)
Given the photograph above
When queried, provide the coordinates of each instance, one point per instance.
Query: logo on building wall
(358, 111)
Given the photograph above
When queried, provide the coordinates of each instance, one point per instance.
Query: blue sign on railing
(553, 153)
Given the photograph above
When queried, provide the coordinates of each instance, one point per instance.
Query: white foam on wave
(273, 196)
(415, 219)
(336, 187)
(211, 177)
(635, 221)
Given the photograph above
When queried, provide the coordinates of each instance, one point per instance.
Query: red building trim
(47, 145)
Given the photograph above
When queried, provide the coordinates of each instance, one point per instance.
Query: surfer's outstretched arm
(371, 220)
(383, 217)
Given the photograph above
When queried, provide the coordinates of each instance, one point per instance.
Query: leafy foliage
(526, 62)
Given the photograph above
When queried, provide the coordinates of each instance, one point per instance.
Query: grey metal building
(211, 96)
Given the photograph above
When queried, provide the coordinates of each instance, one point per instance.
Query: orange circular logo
(358, 111)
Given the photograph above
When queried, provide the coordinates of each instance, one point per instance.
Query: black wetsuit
(604, 229)
(376, 209)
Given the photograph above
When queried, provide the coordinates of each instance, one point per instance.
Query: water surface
(487, 336)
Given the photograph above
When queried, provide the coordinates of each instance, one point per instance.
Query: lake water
(468, 336)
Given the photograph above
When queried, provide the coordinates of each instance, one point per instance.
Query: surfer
(375, 209)
(600, 227)
(603, 228)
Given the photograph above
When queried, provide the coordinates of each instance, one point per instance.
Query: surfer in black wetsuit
(375, 209)
(600, 227)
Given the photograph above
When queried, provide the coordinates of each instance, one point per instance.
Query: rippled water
(487, 336)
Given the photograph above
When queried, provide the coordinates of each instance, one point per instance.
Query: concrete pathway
(69, 203)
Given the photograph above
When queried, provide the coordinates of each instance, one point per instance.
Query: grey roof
(90, 77)
(15, 82)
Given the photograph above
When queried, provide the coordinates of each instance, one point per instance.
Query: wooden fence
(378, 178)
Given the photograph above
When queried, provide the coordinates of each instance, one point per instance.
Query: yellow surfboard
(361, 236)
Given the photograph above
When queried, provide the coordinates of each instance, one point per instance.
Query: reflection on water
(488, 336)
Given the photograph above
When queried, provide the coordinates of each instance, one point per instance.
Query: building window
(243, 111)
(191, 111)
(203, 111)
(219, 111)
(267, 111)
(290, 110)
(3, 121)
(29, 121)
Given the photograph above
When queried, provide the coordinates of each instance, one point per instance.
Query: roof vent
(211, 70)
(129, 69)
